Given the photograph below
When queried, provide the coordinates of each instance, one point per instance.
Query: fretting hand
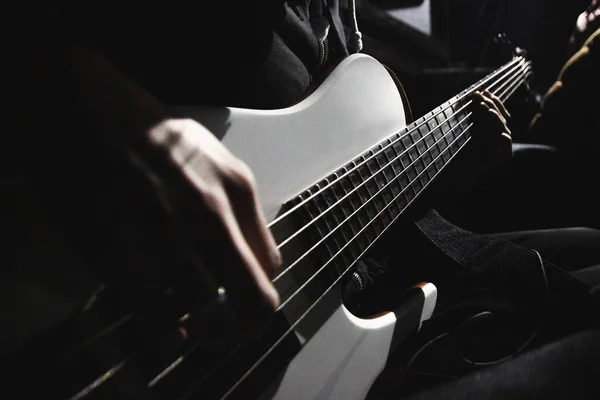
(491, 132)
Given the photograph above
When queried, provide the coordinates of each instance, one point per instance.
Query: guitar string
(374, 155)
(295, 323)
(372, 197)
(458, 98)
(153, 382)
(321, 268)
(517, 60)
(293, 326)
(510, 91)
(160, 375)
(282, 273)
(514, 89)
(322, 240)
(515, 86)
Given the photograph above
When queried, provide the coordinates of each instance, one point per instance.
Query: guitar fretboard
(345, 213)
(370, 192)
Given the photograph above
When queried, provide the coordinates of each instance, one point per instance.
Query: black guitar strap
(527, 302)
(524, 279)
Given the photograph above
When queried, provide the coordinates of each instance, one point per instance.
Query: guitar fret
(355, 224)
(398, 168)
(355, 197)
(363, 240)
(355, 200)
(339, 237)
(426, 157)
(364, 174)
(421, 146)
(438, 134)
(386, 193)
(415, 169)
(363, 217)
(318, 230)
(451, 121)
(436, 146)
(417, 165)
(353, 221)
(382, 182)
(463, 130)
(382, 162)
(369, 233)
(321, 206)
(435, 140)
(345, 221)
(374, 184)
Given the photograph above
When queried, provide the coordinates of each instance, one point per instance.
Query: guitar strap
(522, 297)
(526, 302)
(521, 276)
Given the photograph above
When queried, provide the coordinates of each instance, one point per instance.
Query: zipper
(323, 52)
(356, 277)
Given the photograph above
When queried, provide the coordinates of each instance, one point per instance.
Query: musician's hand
(492, 134)
(216, 195)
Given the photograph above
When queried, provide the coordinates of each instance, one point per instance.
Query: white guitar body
(333, 173)
(291, 149)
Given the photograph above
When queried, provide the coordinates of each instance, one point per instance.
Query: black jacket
(259, 54)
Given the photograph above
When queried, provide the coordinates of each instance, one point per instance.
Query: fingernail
(274, 299)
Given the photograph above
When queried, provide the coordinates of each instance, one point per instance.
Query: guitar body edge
(290, 149)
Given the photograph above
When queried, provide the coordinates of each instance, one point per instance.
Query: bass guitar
(333, 172)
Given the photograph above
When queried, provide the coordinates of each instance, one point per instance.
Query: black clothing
(247, 54)
(253, 54)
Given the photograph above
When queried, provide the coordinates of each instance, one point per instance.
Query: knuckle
(494, 113)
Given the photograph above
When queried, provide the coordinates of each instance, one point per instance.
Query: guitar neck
(321, 233)
(343, 215)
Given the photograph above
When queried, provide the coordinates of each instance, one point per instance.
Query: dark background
(461, 48)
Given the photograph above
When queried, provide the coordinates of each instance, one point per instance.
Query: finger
(247, 210)
(499, 104)
(495, 122)
(505, 149)
(481, 104)
(226, 262)
(249, 289)
(233, 269)
(230, 257)
(479, 112)
(490, 103)
(489, 124)
(191, 288)
(478, 97)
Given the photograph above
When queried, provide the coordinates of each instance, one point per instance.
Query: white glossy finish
(430, 292)
(342, 360)
(290, 149)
